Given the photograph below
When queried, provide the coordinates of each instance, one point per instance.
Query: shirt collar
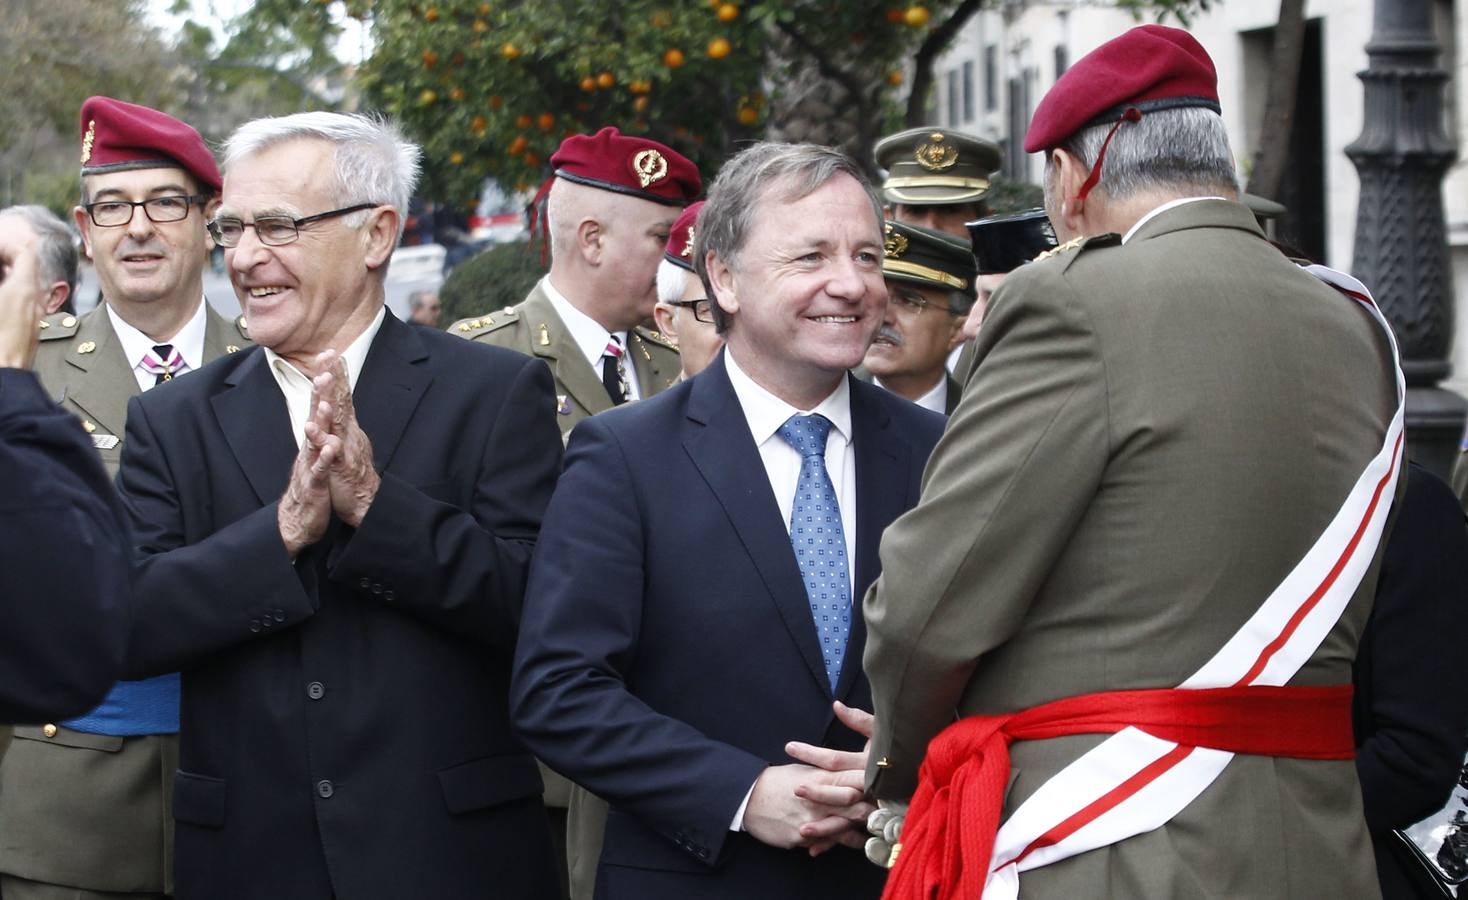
(766, 413)
(189, 341)
(1159, 211)
(355, 355)
(935, 399)
(590, 337)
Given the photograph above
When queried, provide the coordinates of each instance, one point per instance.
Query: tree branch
(922, 62)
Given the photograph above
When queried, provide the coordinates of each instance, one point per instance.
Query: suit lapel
(883, 470)
(252, 414)
(718, 441)
(102, 381)
(566, 360)
(390, 386)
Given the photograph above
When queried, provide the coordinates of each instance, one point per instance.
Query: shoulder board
(58, 325)
(472, 328)
(655, 337)
(1081, 243)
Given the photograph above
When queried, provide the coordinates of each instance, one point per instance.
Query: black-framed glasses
(273, 231)
(172, 208)
(702, 308)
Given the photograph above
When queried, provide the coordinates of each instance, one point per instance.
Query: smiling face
(912, 346)
(807, 295)
(146, 262)
(319, 291)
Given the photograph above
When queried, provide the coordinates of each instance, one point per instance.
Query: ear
(591, 238)
(1070, 174)
(955, 336)
(722, 279)
(84, 228)
(211, 207)
(381, 236)
(56, 294)
(662, 314)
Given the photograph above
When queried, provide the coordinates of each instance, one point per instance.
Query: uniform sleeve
(64, 579)
(569, 698)
(1005, 487)
(466, 571)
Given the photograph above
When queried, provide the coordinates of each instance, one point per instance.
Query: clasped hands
(333, 471)
(818, 801)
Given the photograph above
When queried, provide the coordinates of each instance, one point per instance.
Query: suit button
(315, 690)
(324, 789)
(48, 730)
(388, 595)
(279, 615)
(703, 853)
(365, 583)
(255, 626)
(376, 588)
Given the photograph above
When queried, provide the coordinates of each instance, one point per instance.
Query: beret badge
(87, 140)
(650, 166)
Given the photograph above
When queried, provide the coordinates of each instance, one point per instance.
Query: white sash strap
(1133, 782)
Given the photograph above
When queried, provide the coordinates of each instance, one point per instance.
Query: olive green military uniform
(93, 810)
(534, 328)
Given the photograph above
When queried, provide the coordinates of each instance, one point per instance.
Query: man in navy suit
(335, 530)
(689, 618)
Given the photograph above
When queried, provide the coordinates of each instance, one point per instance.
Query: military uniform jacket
(534, 328)
(1152, 436)
(345, 727)
(90, 810)
(80, 362)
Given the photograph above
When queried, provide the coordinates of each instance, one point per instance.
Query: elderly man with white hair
(334, 533)
(684, 312)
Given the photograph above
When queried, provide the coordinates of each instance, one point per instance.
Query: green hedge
(500, 276)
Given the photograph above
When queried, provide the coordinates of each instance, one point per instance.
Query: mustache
(886, 331)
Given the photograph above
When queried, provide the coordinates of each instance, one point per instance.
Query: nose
(246, 254)
(140, 227)
(848, 281)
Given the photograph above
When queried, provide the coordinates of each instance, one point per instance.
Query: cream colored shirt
(296, 387)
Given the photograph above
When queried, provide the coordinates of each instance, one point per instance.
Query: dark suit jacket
(63, 560)
(667, 652)
(1411, 673)
(344, 725)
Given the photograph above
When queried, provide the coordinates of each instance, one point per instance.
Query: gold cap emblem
(936, 155)
(87, 140)
(895, 245)
(650, 166)
(688, 247)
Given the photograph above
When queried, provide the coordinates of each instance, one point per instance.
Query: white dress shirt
(765, 413)
(189, 342)
(1159, 211)
(935, 399)
(296, 387)
(591, 338)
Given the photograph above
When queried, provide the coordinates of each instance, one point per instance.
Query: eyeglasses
(917, 303)
(112, 213)
(702, 309)
(273, 231)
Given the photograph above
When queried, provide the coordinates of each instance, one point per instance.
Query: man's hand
(354, 480)
(20, 305)
(818, 802)
(305, 507)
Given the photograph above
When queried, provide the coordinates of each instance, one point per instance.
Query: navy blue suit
(667, 652)
(63, 561)
(344, 719)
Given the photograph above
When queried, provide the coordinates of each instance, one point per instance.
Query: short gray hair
(1184, 148)
(766, 170)
(672, 279)
(374, 162)
(55, 245)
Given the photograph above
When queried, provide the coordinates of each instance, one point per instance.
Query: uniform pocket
(65, 737)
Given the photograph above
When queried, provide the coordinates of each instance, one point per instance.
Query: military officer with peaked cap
(609, 208)
(931, 284)
(84, 804)
(936, 177)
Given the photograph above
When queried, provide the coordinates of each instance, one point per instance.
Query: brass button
(68, 321)
(48, 730)
(884, 763)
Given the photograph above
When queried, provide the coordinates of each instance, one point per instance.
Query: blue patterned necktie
(819, 540)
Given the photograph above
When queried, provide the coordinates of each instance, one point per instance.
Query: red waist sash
(948, 837)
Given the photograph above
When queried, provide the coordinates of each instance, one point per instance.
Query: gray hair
(1185, 148)
(766, 171)
(374, 162)
(672, 279)
(55, 245)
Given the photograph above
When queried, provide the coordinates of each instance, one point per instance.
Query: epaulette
(57, 326)
(653, 336)
(472, 328)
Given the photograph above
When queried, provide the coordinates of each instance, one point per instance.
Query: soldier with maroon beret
(85, 803)
(683, 313)
(609, 208)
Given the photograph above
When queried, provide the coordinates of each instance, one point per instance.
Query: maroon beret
(118, 136)
(1151, 67)
(679, 251)
(628, 165)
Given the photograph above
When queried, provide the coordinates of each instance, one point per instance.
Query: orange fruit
(518, 145)
(673, 58)
(727, 12)
(428, 96)
(456, 158)
(719, 48)
(640, 104)
(661, 18)
(606, 80)
(484, 9)
(546, 121)
(509, 51)
(478, 124)
(895, 16)
(430, 14)
(496, 101)
(916, 16)
(522, 121)
(639, 86)
(531, 159)
(894, 77)
(480, 26)
(456, 94)
(430, 59)
(748, 115)
(588, 83)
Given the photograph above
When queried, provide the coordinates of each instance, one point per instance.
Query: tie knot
(614, 348)
(807, 434)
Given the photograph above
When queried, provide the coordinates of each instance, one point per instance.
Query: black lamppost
(1401, 242)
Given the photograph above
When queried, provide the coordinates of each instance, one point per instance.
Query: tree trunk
(922, 62)
(1279, 107)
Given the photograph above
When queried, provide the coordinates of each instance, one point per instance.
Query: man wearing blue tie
(689, 618)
